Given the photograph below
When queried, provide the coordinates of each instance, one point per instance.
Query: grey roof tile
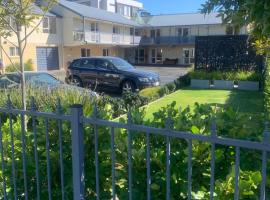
(182, 19)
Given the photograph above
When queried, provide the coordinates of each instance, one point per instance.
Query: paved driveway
(167, 74)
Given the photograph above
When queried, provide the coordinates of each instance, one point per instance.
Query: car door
(108, 75)
(87, 71)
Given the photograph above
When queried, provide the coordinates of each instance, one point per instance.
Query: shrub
(151, 93)
(198, 121)
(267, 89)
(28, 66)
(221, 75)
(247, 76)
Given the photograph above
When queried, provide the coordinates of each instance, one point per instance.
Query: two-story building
(43, 46)
(127, 8)
(114, 28)
(89, 31)
(172, 37)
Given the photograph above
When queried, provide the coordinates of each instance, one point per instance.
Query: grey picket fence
(77, 121)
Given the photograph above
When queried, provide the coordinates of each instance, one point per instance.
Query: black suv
(109, 73)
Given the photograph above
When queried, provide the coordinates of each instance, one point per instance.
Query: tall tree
(20, 18)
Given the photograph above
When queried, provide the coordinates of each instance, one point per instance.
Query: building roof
(96, 13)
(182, 19)
(38, 11)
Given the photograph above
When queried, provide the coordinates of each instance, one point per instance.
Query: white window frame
(87, 52)
(48, 29)
(105, 52)
(191, 55)
(14, 52)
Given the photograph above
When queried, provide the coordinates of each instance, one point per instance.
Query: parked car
(109, 73)
(35, 79)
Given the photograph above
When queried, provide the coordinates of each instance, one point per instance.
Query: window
(185, 32)
(182, 32)
(131, 31)
(103, 64)
(179, 32)
(12, 23)
(49, 25)
(94, 27)
(76, 63)
(134, 12)
(116, 30)
(88, 63)
(105, 52)
(13, 51)
(85, 52)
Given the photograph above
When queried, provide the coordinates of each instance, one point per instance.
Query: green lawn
(244, 101)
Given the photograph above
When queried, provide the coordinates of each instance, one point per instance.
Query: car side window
(104, 64)
(88, 63)
(76, 63)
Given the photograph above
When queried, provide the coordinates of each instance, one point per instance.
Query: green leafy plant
(28, 66)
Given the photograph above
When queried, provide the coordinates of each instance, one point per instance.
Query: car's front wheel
(128, 86)
(76, 81)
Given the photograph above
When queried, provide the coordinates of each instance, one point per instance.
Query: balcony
(92, 37)
(105, 38)
(167, 40)
(78, 35)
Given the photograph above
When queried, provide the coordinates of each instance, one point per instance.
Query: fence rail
(77, 122)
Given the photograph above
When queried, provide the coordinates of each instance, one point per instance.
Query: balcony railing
(167, 40)
(93, 37)
(105, 38)
(78, 35)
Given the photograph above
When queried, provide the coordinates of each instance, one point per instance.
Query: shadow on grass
(248, 102)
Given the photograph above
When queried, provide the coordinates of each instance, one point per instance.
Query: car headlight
(144, 80)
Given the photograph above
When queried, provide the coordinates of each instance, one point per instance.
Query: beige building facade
(72, 30)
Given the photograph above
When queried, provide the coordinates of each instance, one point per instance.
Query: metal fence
(77, 121)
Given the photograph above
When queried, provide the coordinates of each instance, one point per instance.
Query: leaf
(195, 129)
(155, 186)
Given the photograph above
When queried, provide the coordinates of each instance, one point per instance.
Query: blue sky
(172, 6)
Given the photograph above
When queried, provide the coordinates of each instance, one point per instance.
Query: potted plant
(200, 79)
(248, 80)
(223, 80)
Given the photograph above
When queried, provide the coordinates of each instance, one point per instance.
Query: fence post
(77, 152)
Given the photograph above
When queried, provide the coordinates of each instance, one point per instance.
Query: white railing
(78, 35)
(106, 38)
(92, 37)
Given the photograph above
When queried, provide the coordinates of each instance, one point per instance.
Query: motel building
(84, 28)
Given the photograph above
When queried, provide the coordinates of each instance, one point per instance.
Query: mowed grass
(250, 102)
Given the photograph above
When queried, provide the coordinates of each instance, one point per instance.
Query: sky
(172, 6)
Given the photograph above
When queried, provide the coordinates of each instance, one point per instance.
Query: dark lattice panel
(226, 53)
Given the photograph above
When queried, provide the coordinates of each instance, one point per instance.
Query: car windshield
(121, 64)
(41, 79)
(5, 82)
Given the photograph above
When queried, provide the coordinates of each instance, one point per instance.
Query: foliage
(220, 75)
(158, 92)
(267, 89)
(198, 121)
(151, 93)
(240, 13)
(254, 13)
(19, 19)
(28, 66)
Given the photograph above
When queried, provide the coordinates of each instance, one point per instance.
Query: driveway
(167, 74)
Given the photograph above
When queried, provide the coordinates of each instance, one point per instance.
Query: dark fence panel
(229, 52)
